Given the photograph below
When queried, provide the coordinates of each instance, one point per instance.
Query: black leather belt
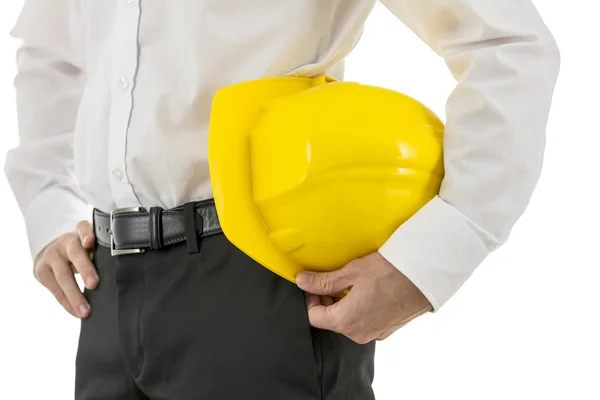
(135, 229)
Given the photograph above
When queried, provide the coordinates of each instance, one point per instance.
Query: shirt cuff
(51, 214)
(437, 249)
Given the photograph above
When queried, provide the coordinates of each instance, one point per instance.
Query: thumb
(86, 234)
(326, 283)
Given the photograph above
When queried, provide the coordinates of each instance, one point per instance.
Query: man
(114, 101)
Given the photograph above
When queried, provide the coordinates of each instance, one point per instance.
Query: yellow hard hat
(311, 173)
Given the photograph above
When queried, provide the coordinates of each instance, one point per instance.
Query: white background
(525, 326)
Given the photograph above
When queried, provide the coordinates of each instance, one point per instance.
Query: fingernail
(303, 278)
(91, 280)
(84, 309)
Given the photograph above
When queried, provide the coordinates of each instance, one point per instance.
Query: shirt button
(117, 174)
(124, 83)
(130, 1)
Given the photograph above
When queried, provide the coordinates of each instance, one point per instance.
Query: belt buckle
(113, 251)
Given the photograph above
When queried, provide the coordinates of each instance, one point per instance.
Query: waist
(136, 229)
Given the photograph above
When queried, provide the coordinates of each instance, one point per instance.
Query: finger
(312, 300)
(46, 278)
(327, 283)
(80, 258)
(66, 281)
(86, 234)
(326, 300)
(324, 317)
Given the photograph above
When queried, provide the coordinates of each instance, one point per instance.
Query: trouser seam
(122, 351)
(140, 337)
(320, 365)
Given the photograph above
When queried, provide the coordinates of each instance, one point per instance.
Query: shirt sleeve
(506, 64)
(49, 85)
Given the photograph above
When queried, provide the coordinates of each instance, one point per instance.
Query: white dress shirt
(114, 102)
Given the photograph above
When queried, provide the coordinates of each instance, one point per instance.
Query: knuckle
(82, 226)
(72, 245)
(62, 274)
(40, 272)
(67, 237)
(54, 253)
(52, 259)
(326, 282)
(360, 338)
(84, 267)
(51, 250)
(72, 240)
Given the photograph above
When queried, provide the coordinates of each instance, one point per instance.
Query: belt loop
(189, 224)
(94, 227)
(155, 221)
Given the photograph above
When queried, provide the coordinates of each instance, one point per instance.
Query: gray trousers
(168, 325)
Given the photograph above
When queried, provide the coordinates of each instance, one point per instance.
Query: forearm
(48, 85)
(506, 64)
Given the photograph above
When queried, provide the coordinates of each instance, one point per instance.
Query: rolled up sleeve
(506, 64)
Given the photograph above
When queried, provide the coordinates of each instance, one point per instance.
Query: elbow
(549, 52)
(554, 54)
(11, 168)
(8, 164)
(11, 172)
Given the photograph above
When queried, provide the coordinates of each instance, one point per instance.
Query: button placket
(124, 67)
(124, 84)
